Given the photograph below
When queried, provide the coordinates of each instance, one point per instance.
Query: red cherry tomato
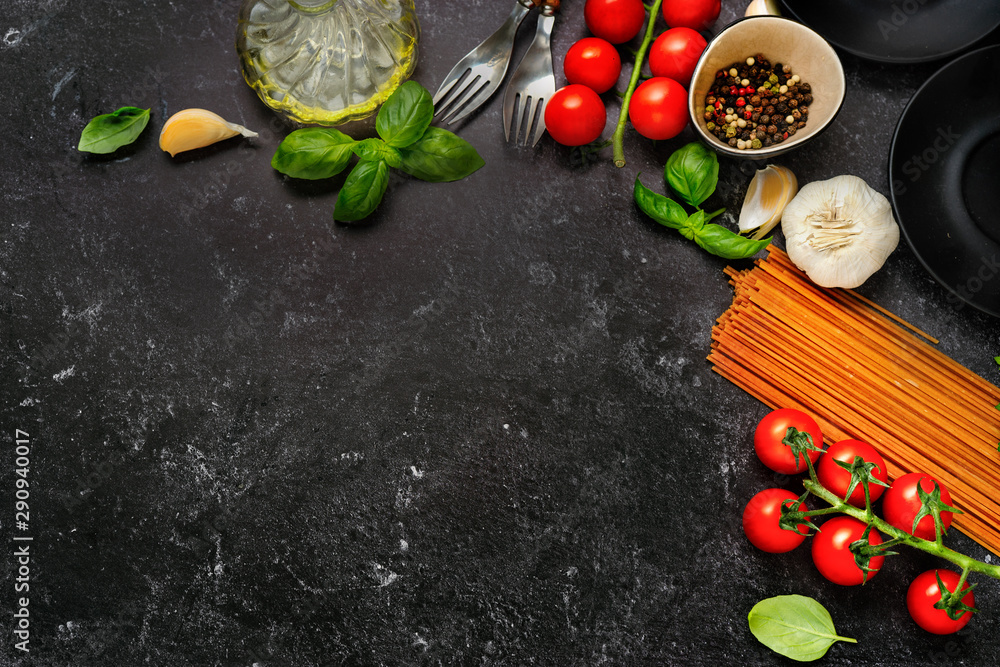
(659, 108)
(616, 21)
(593, 62)
(836, 479)
(575, 115)
(902, 503)
(760, 522)
(771, 431)
(925, 592)
(695, 14)
(675, 53)
(832, 555)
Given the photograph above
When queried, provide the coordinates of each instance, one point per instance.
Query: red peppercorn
(742, 91)
(733, 90)
(741, 102)
(785, 135)
(718, 104)
(747, 114)
(751, 90)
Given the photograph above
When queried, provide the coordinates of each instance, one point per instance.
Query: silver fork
(532, 84)
(480, 71)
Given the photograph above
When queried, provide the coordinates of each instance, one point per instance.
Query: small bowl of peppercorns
(764, 86)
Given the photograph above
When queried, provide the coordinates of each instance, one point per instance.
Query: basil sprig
(693, 172)
(795, 626)
(405, 141)
(109, 132)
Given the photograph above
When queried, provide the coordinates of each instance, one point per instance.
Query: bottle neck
(312, 6)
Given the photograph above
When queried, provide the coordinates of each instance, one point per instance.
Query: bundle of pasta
(863, 373)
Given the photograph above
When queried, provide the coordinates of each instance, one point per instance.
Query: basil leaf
(795, 626)
(362, 191)
(313, 153)
(693, 172)
(440, 156)
(720, 241)
(662, 209)
(374, 150)
(109, 132)
(405, 116)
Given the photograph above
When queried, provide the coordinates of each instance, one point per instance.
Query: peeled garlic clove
(763, 8)
(197, 128)
(839, 231)
(770, 190)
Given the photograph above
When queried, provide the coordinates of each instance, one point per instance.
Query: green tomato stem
(640, 57)
(966, 563)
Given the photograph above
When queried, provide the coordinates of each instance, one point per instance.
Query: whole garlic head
(839, 231)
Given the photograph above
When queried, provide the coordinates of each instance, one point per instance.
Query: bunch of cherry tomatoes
(830, 545)
(576, 115)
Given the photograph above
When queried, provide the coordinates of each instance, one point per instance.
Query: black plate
(898, 31)
(945, 177)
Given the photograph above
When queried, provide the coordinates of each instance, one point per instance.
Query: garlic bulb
(839, 231)
(763, 8)
(197, 128)
(770, 190)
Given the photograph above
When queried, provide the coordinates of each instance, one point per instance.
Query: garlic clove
(197, 128)
(763, 8)
(839, 231)
(770, 190)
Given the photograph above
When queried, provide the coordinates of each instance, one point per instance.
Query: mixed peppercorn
(755, 104)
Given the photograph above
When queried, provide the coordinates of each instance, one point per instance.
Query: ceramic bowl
(780, 40)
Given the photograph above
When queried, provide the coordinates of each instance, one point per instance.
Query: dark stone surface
(477, 430)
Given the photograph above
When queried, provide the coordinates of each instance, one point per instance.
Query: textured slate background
(477, 430)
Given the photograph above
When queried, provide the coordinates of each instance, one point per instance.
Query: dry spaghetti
(861, 374)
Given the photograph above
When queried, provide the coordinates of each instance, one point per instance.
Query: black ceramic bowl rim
(867, 55)
(896, 197)
(785, 146)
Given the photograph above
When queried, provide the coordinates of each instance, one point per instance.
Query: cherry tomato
(675, 53)
(659, 108)
(925, 592)
(616, 21)
(836, 479)
(832, 555)
(760, 522)
(695, 14)
(902, 503)
(593, 62)
(575, 115)
(771, 431)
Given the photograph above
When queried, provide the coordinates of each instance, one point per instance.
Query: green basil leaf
(405, 116)
(374, 150)
(662, 209)
(795, 626)
(109, 132)
(693, 172)
(313, 153)
(440, 156)
(720, 241)
(362, 191)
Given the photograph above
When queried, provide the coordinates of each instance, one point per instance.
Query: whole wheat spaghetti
(864, 373)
